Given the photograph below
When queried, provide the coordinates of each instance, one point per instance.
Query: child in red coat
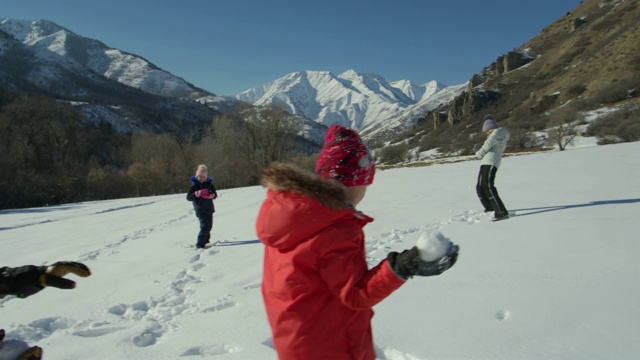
(317, 289)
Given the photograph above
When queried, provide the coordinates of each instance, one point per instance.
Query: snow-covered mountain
(418, 92)
(363, 101)
(43, 55)
(386, 128)
(105, 84)
(54, 43)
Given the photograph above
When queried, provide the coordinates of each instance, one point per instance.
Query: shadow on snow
(544, 209)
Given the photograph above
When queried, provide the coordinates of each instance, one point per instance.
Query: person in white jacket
(491, 155)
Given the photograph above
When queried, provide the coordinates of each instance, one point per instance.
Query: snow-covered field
(559, 280)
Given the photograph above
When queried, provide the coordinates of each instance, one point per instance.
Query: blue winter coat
(201, 205)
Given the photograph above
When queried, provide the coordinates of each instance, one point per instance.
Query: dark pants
(206, 222)
(487, 192)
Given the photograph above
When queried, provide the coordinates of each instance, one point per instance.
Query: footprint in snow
(252, 286)
(98, 331)
(198, 266)
(503, 315)
(210, 350)
(194, 258)
(148, 337)
(221, 304)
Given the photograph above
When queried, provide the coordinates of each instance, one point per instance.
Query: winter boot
(500, 217)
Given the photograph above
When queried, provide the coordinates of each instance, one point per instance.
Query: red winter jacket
(316, 285)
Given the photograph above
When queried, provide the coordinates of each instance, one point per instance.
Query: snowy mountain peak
(433, 87)
(363, 101)
(19, 29)
(418, 92)
(31, 31)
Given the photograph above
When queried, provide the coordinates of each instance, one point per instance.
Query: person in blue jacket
(491, 155)
(201, 194)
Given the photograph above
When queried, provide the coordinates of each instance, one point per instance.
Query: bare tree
(221, 150)
(157, 164)
(267, 134)
(562, 126)
(239, 144)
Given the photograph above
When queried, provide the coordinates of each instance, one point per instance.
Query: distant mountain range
(366, 102)
(587, 58)
(133, 94)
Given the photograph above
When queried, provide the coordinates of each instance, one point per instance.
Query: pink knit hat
(345, 158)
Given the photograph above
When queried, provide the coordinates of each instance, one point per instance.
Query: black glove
(27, 280)
(31, 353)
(408, 263)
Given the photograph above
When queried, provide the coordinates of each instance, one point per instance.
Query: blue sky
(230, 46)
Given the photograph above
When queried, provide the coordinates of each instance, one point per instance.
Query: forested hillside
(51, 154)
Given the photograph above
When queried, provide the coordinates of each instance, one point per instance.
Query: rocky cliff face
(589, 57)
(511, 61)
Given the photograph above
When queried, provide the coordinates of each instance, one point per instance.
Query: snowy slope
(559, 280)
(362, 101)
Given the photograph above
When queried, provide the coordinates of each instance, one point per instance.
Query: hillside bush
(524, 118)
(521, 138)
(441, 138)
(394, 153)
(622, 126)
(576, 90)
(634, 63)
(617, 90)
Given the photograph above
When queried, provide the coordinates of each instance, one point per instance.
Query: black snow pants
(206, 223)
(488, 193)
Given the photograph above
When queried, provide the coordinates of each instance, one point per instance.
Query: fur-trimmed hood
(285, 177)
(300, 204)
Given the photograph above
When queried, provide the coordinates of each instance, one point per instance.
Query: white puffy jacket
(492, 149)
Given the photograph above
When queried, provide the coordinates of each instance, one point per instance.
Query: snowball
(432, 245)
